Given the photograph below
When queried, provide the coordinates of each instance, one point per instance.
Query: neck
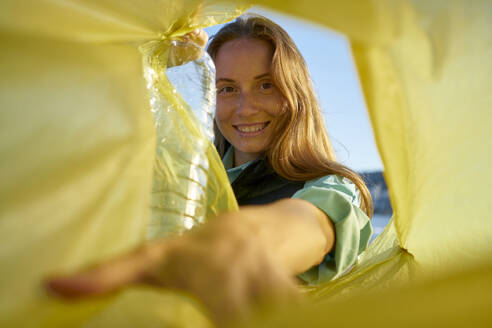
(240, 158)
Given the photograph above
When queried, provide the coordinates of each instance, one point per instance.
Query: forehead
(243, 57)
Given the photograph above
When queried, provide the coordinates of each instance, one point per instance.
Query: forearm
(293, 231)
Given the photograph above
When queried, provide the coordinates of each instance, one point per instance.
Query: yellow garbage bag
(83, 165)
(78, 144)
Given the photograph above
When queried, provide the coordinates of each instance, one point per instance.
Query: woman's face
(248, 103)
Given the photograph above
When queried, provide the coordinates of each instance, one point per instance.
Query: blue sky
(335, 80)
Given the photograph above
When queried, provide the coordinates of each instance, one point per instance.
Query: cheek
(221, 112)
(223, 115)
(275, 106)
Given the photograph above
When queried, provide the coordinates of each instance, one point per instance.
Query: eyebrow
(224, 79)
(257, 77)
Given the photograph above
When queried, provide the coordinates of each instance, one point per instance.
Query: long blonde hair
(307, 153)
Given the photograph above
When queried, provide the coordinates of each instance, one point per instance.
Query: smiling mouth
(251, 128)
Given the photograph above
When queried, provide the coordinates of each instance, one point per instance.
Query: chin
(250, 150)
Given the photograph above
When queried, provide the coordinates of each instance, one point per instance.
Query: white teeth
(253, 128)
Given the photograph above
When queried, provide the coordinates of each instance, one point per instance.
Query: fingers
(190, 47)
(198, 36)
(107, 277)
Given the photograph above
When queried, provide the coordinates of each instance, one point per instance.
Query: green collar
(228, 161)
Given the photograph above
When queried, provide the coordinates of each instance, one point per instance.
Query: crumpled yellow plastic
(78, 144)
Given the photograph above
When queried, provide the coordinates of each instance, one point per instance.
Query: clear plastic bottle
(182, 100)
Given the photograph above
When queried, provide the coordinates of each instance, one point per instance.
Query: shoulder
(336, 183)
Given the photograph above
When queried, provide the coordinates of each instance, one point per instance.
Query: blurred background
(329, 58)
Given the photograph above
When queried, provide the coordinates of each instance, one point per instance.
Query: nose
(247, 105)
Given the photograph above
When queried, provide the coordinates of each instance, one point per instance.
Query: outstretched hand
(224, 265)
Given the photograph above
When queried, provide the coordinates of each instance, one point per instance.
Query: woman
(275, 148)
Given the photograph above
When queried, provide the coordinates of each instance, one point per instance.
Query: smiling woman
(262, 78)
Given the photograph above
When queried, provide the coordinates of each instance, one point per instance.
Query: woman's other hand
(187, 48)
(224, 265)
